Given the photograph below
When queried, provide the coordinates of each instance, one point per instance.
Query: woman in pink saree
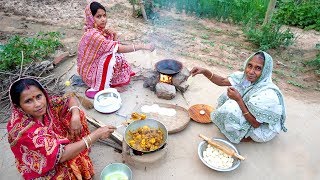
(101, 63)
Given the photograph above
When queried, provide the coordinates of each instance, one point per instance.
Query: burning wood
(165, 78)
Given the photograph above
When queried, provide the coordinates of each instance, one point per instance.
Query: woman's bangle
(134, 49)
(90, 143)
(245, 113)
(86, 142)
(211, 76)
(72, 107)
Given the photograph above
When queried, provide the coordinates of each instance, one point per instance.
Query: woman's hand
(197, 70)
(111, 32)
(75, 124)
(106, 131)
(233, 94)
(149, 47)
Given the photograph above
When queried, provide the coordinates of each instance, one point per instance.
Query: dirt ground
(215, 45)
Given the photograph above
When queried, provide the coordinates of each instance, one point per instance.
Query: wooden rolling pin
(223, 148)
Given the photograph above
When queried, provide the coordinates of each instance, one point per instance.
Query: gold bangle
(245, 113)
(90, 143)
(86, 142)
(211, 76)
(72, 107)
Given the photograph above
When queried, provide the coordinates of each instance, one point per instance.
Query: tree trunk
(143, 11)
(271, 6)
(133, 9)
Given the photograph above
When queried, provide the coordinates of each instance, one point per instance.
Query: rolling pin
(223, 148)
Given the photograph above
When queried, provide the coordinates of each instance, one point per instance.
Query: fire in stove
(165, 78)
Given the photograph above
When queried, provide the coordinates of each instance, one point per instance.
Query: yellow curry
(146, 138)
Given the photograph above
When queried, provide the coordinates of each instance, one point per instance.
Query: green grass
(296, 84)
(211, 43)
(205, 36)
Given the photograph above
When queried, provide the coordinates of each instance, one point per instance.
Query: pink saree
(98, 63)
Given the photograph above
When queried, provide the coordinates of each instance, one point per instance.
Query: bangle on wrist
(211, 76)
(86, 142)
(72, 107)
(90, 140)
(133, 47)
(245, 113)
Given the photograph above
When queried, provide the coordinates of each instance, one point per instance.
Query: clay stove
(138, 159)
(168, 77)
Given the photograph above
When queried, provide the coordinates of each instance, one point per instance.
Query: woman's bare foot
(248, 139)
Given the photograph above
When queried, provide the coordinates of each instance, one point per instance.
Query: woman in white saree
(253, 107)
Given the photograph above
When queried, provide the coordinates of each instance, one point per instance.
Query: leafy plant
(268, 36)
(304, 14)
(34, 49)
(316, 62)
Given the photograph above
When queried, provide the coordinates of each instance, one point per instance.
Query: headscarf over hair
(15, 108)
(89, 24)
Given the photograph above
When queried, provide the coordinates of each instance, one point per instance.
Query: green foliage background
(34, 49)
(238, 11)
(300, 13)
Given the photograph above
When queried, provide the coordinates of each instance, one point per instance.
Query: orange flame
(165, 78)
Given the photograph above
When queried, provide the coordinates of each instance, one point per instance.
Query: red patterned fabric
(38, 147)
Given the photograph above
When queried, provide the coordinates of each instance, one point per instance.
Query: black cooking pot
(169, 66)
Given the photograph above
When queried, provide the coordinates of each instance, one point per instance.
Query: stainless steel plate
(203, 146)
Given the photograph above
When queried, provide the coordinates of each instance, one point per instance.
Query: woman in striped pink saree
(101, 63)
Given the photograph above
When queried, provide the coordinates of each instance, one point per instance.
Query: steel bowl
(203, 146)
(147, 122)
(114, 170)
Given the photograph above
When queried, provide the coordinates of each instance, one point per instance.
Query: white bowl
(115, 169)
(107, 101)
(203, 146)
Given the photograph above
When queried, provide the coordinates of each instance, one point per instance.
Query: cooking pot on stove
(107, 101)
(168, 66)
(147, 122)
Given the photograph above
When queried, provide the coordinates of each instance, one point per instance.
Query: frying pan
(147, 122)
(169, 66)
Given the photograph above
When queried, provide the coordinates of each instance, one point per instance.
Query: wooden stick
(117, 137)
(22, 57)
(223, 148)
